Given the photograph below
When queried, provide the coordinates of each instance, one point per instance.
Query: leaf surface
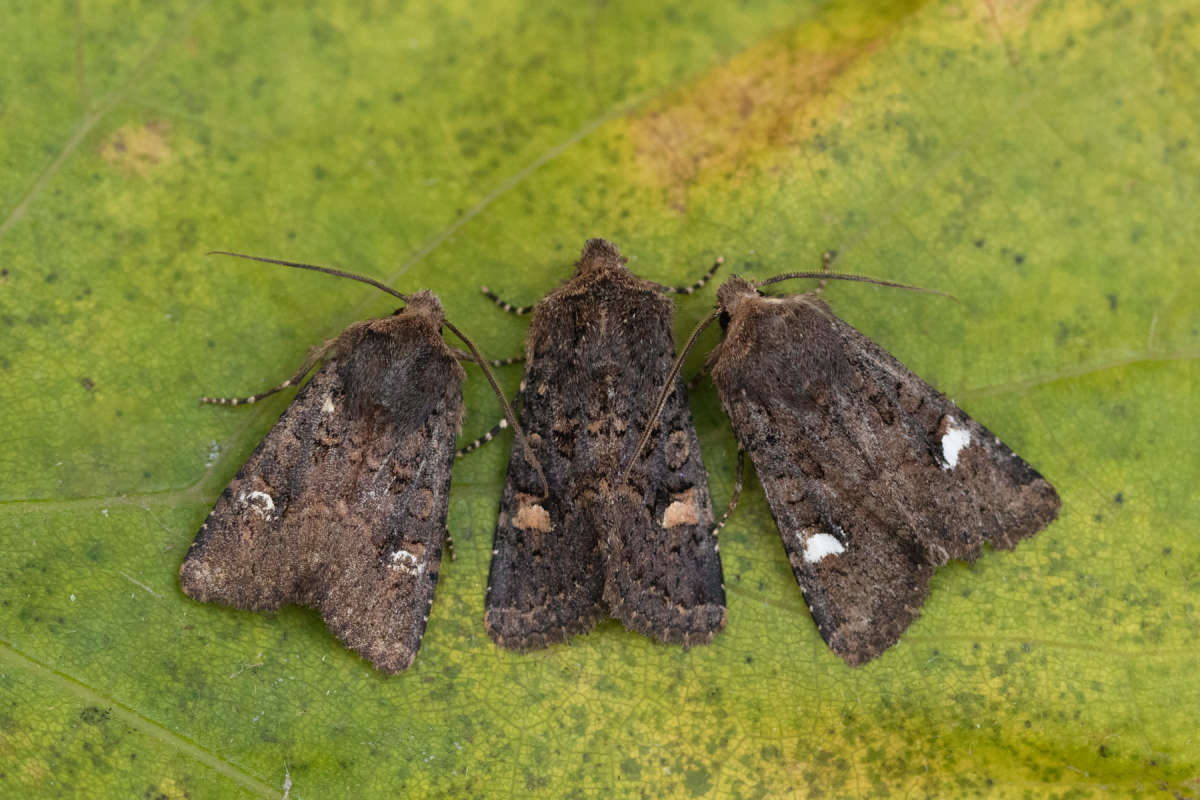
(1039, 160)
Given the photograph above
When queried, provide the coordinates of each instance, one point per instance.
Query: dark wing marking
(597, 351)
(342, 508)
(874, 478)
(664, 569)
(547, 571)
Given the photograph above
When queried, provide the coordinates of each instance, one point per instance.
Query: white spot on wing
(327, 406)
(820, 545)
(954, 440)
(260, 503)
(405, 561)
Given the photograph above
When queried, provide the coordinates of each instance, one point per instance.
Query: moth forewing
(873, 477)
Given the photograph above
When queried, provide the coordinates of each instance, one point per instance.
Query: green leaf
(1039, 160)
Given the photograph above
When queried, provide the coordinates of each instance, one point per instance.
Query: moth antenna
(508, 412)
(840, 276)
(826, 267)
(482, 440)
(314, 356)
(479, 359)
(520, 311)
(327, 270)
(737, 489)
(668, 387)
(463, 355)
(695, 287)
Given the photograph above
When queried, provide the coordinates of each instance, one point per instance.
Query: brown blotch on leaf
(138, 148)
(752, 106)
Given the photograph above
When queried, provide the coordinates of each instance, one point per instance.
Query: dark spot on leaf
(320, 173)
(1112, 302)
(87, 383)
(94, 715)
(698, 782)
(1019, 258)
(1103, 751)
(3, 273)
(980, 242)
(95, 551)
(1063, 333)
(322, 33)
(397, 97)
(1120, 498)
(1166, 551)
(1099, 518)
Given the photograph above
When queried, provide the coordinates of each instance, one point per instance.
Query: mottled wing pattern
(342, 507)
(663, 568)
(874, 478)
(598, 350)
(546, 580)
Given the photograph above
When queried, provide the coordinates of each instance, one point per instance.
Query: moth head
(425, 303)
(731, 294)
(599, 254)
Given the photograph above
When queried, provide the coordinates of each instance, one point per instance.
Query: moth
(342, 507)
(639, 547)
(873, 477)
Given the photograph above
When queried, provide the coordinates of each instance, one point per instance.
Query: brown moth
(874, 478)
(342, 507)
(641, 546)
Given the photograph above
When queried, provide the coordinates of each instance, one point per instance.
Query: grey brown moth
(639, 547)
(873, 477)
(342, 507)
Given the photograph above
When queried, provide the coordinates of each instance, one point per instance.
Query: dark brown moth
(874, 478)
(342, 507)
(641, 549)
